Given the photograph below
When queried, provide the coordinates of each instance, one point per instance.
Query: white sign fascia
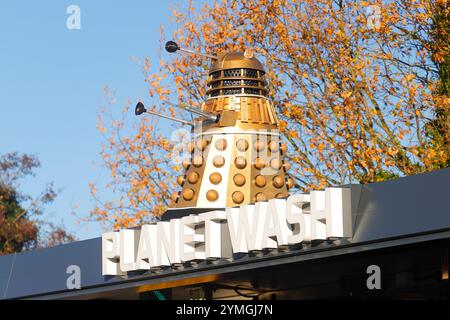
(218, 234)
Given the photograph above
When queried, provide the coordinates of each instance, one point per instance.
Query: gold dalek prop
(237, 157)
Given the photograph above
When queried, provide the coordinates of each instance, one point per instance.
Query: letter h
(331, 214)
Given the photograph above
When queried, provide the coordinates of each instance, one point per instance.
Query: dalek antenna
(172, 47)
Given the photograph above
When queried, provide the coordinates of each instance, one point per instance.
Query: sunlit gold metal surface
(235, 60)
(239, 159)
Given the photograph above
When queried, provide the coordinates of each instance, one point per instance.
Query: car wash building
(382, 240)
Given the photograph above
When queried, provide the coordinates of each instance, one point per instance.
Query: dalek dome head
(236, 73)
(236, 60)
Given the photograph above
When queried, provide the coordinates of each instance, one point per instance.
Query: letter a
(374, 281)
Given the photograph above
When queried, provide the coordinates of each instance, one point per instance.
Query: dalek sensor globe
(239, 158)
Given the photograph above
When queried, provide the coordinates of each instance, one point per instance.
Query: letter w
(245, 229)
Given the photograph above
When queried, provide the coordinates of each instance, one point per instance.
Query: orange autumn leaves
(354, 98)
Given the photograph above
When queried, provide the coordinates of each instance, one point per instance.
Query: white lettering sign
(217, 234)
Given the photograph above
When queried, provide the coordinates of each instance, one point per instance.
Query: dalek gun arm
(206, 115)
(140, 109)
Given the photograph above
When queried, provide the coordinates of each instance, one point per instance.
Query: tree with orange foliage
(361, 88)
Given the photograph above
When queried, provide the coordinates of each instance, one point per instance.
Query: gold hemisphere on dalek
(236, 157)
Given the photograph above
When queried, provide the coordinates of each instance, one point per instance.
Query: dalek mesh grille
(250, 73)
(215, 75)
(230, 82)
(251, 83)
(231, 91)
(232, 73)
(252, 91)
(236, 81)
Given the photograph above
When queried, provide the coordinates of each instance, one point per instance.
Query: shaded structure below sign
(402, 226)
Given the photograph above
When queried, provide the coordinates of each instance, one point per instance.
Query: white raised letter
(245, 225)
(331, 213)
(129, 239)
(275, 227)
(340, 212)
(192, 239)
(110, 254)
(217, 243)
(298, 219)
(168, 243)
(318, 215)
(146, 253)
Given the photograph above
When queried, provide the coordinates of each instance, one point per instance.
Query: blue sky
(51, 88)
